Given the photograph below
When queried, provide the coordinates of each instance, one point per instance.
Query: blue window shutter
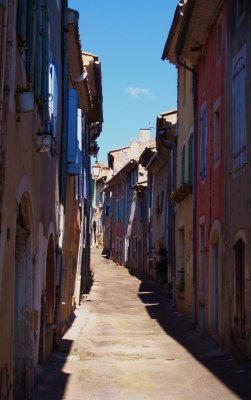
(76, 167)
(30, 40)
(45, 52)
(72, 125)
(22, 21)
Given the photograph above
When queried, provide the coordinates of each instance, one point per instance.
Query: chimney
(145, 135)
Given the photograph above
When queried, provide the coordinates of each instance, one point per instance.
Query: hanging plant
(181, 192)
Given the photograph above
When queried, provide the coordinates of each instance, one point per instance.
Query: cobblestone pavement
(127, 342)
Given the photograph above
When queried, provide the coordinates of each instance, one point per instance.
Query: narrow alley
(127, 341)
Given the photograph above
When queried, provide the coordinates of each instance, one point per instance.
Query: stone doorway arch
(23, 343)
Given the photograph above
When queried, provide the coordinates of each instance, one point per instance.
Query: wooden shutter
(190, 159)
(72, 125)
(30, 40)
(203, 144)
(22, 21)
(183, 164)
(38, 52)
(75, 168)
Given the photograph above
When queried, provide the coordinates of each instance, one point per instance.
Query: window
(133, 177)
(217, 129)
(160, 200)
(203, 131)
(239, 114)
(181, 261)
(219, 41)
(122, 209)
(183, 164)
(190, 159)
(53, 98)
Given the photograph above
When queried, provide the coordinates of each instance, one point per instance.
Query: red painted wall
(210, 193)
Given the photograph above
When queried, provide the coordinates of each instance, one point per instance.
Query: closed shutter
(38, 52)
(22, 21)
(190, 159)
(72, 126)
(76, 167)
(183, 164)
(30, 41)
(203, 144)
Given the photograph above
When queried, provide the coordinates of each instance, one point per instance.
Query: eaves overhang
(146, 155)
(76, 68)
(122, 173)
(168, 52)
(94, 82)
(197, 21)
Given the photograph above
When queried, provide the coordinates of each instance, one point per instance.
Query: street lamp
(96, 168)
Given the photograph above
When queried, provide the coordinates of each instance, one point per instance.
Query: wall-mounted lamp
(96, 169)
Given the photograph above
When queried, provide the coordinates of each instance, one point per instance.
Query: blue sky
(129, 37)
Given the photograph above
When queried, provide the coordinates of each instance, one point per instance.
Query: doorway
(214, 286)
(23, 305)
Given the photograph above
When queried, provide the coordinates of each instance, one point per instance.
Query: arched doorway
(240, 285)
(23, 304)
(214, 284)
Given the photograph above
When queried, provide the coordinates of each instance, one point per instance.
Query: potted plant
(25, 99)
(182, 192)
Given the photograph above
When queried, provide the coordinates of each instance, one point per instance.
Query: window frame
(203, 143)
(239, 111)
(217, 110)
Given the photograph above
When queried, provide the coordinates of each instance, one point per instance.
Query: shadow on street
(235, 374)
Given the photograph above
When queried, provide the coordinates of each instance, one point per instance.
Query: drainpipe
(3, 56)
(195, 138)
(171, 166)
(63, 165)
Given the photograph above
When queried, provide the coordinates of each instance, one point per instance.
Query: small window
(239, 113)
(219, 41)
(217, 126)
(190, 159)
(183, 164)
(203, 131)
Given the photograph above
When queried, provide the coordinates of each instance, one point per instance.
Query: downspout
(63, 165)
(195, 140)
(171, 216)
(3, 57)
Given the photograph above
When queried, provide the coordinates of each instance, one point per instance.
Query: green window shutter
(22, 21)
(30, 40)
(183, 164)
(38, 53)
(190, 159)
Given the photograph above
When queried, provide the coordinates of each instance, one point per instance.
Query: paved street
(127, 342)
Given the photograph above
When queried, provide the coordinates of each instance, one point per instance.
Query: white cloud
(137, 92)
